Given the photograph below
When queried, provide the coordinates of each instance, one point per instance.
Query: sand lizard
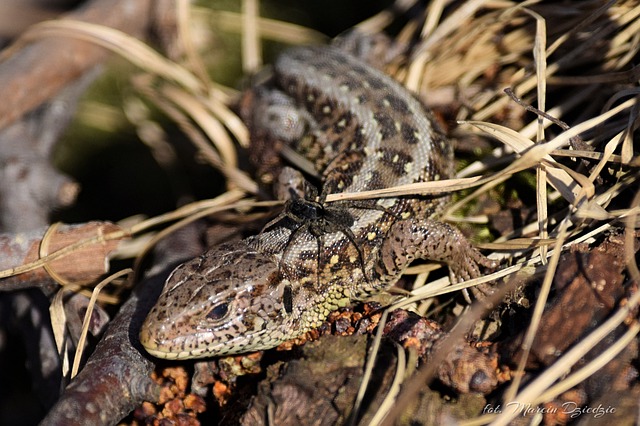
(362, 130)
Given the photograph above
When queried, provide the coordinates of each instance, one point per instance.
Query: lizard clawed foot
(470, 269)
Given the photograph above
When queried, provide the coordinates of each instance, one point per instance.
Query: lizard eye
(218, 312)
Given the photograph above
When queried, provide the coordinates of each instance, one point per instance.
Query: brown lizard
(362, 130)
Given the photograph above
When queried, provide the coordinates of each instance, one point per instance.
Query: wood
(84, 265)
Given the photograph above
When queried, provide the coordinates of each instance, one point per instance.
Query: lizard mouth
(199, 345)
(166, 355)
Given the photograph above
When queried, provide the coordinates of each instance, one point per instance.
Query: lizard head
(229, 300)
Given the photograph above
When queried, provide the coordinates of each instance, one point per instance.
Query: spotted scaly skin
(362, 131)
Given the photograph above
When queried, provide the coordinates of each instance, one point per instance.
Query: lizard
(361, 130)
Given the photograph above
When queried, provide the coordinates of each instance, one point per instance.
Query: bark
(84, 265)
(116, 378)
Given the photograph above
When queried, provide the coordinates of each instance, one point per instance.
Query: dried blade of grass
(531, 156)
(270, 29)
(368, 369)
(585, 209)
(498, 158)
(539, 57)
(607, 156)
(543, 295)
(443, 285)
(627, 143)
(193, 208)
(229, 118)
(513, 139)
(575, 29)
(431, 187)
(87, 318)
(216, 97)
(519, 244)
(452, 23)
(604, 31)
(191, 217)
(591, 367)
(58, 318)
(385, 17)
(559, 171)
(210, 125)
(542, 388)
(531, 266)
(422, 274)
(251, 52)
(627, 151)
(577, 237)
(299, 161)
(420, 270)
(226, 162)
(227, 200)
(382, 412)
(193, 58)
(571, 185)
(623, 39)
(43, 250)
(100, 116)
(394, 390)
(434, 13)
(234, 175)
(147, 59)
(130, 48)
(422, 55)
(595, 79)
(523, 84)
(624, 213)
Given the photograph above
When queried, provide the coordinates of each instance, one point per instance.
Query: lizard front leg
(428, 239)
